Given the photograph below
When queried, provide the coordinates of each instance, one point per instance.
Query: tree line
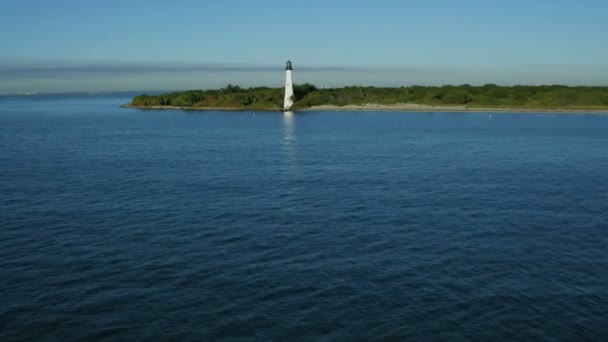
(307, 95)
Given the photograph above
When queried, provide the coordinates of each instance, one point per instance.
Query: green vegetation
(307, 95)
(229, 97)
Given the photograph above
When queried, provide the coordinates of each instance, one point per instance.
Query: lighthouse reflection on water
(289, 137)
(289, 145)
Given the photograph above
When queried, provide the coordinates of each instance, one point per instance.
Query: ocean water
(124, 224)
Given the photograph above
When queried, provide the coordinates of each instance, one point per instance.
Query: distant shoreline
(448, 98)
(400, 107)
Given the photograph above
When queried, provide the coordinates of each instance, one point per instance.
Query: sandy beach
(412, 107)
(399, 107)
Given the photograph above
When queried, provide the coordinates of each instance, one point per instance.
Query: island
(489, 97)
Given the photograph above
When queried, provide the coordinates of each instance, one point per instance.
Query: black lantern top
(288, 66)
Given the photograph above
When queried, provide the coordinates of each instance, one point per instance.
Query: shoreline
(400, 107)
(202, 109)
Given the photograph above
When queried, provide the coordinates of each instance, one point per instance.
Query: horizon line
(143, 91)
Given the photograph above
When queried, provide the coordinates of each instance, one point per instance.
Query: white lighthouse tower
(288, 102)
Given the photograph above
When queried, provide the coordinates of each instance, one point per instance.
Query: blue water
(123, 224)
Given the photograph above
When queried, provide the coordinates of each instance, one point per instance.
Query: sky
(112, 45)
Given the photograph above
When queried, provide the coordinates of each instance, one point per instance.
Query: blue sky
(66, 45)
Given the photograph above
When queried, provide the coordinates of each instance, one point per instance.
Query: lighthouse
(288, 102)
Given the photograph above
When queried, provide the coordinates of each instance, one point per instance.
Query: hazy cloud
(13, 68)
(21, 75)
